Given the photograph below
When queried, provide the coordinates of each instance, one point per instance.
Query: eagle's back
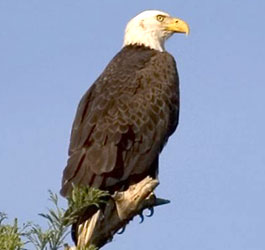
(123, 121)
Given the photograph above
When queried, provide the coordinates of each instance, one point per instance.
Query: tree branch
(119, 210)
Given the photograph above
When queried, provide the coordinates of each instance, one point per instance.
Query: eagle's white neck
(146, 38)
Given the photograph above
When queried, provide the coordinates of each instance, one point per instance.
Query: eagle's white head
(152, 28)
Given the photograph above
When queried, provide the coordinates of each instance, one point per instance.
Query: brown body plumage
(123, 121)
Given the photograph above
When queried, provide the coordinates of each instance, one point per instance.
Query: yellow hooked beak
(177, 25)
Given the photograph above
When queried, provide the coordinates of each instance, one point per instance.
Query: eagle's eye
(160, 18)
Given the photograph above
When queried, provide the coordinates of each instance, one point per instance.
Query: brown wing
(123, 121)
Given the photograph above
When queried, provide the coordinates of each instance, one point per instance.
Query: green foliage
(10, 235)
(81, 199)
(54, 236)
(14, 238)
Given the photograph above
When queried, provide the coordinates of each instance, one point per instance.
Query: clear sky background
(212, 169)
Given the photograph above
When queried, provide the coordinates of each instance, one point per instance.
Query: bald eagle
(126, 117)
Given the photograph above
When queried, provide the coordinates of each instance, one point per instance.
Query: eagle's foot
(151, 210)
(141, 217)
(122, 230)
(135, 197)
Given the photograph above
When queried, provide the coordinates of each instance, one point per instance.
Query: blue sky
(212, 169)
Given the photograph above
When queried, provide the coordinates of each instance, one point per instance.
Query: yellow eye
(160, 18)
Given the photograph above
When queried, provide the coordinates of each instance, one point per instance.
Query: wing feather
(123, 120)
